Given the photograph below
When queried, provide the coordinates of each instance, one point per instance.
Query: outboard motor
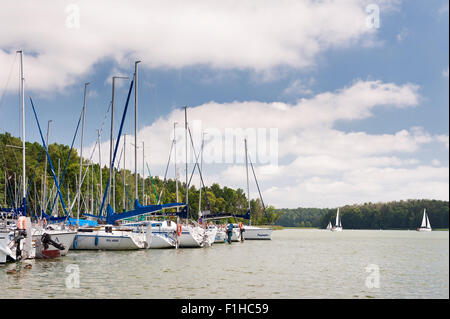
(43, 249)
(46, 240)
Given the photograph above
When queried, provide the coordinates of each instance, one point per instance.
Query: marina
(51, 235)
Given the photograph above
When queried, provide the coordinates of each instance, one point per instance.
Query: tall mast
(111, 138)
(136, 196)
(92, 188)
(111, 141)
(5, 190)
(175, 160)
(201, 167)
(57, 199)
(143, 173)
(81, 150)
(186, 158)
(23, 131)
(124, 157)
(100, 164)
(114, 189)
(248, 185)
(44, 199)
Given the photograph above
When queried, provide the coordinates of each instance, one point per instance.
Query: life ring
(241, 225)
(179, 229)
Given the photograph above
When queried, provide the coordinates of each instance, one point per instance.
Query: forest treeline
(223, 200)
(404, 214)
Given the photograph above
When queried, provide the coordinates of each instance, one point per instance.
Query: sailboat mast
(57, 203)
(111, 138)
(186, 158)
(248, 184)
(175, 160)
(136, 196)
(143, 173)
(100, 164)
(81, 150)
(124, 158)
(201, 167)
(44, 199)
(22, 98)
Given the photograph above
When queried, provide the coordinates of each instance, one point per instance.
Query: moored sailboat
(338, 225)
(253, 232)
(425, 225)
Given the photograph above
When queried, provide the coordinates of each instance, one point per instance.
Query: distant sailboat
(329, 226)
(425, 226)
(338, 225)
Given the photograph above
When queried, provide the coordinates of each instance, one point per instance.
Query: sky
(342, 102)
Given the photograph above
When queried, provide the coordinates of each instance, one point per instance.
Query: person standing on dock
(229, 232)
(241, 230)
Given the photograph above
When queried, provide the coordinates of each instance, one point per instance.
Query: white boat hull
(257, 233)
(337, 229)
(187, 240)
(221, 237)
(161, 241)
(5, 251)
(63, 238)
(191, 236)
(236, 236)
(101, 240)
(195, 237)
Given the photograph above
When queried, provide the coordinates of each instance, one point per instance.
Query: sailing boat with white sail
(329, 226)
(338, 225)
(425, 226)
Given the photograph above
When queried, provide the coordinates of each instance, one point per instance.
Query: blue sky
(409, 51)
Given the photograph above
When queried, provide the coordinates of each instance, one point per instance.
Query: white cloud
(217, 34)
(299, 87)
(444, 139)
(436, 162)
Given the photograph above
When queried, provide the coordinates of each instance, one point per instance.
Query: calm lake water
(296, 263)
